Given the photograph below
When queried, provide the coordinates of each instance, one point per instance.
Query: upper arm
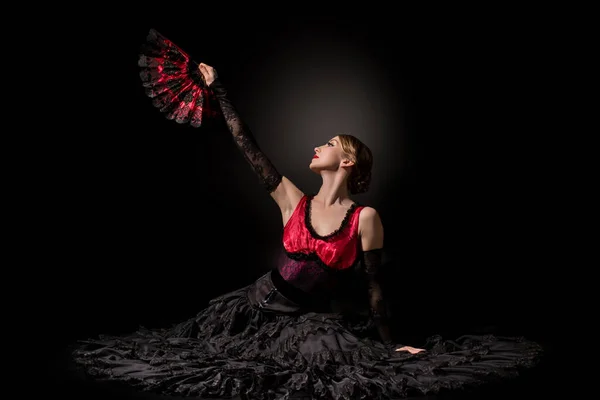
(287, 196)
(370, 229)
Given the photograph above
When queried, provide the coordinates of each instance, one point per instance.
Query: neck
(334, 189)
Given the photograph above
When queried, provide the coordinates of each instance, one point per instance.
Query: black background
(145, 220)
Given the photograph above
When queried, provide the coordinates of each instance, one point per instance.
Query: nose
(317, 149)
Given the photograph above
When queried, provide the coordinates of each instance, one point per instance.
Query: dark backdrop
(146, 220)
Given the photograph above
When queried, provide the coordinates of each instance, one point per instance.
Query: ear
(346, 162)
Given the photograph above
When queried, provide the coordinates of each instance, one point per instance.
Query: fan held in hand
(173, 81)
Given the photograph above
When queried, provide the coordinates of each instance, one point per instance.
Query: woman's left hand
(410, 349)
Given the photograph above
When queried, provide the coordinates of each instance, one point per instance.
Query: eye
(329, 144)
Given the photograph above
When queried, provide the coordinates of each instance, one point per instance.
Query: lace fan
(173, 82)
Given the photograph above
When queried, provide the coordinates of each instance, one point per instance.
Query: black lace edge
(314, 234)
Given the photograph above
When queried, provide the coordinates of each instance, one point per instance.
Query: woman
(282, 336)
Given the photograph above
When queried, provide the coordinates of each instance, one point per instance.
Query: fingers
(411, 350)
(207, 70)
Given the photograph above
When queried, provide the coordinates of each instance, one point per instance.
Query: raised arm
(281, 189)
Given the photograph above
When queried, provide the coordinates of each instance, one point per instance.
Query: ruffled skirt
(256, 343)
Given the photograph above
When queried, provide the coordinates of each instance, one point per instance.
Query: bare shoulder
(369, 216)
(370, 229)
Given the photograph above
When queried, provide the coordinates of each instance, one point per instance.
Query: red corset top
(337, 250)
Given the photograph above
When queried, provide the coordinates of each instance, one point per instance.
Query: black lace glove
(262, 166)
(377, 306)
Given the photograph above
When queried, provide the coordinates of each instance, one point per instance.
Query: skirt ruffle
(239, 346)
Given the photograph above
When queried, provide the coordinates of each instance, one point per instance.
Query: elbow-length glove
(377, 306)
(245, 141)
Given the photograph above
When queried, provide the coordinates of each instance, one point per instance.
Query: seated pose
(280, 337)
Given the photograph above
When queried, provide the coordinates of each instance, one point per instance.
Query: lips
(315, 156)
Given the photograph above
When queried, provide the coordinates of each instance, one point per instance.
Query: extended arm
(281, 189)
(262, 166)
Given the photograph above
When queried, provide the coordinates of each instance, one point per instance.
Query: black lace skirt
(257, 343)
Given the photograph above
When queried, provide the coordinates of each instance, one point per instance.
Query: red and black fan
(174, 82)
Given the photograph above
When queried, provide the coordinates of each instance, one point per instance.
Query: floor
(539, 383)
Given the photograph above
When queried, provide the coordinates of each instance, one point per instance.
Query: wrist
(215, 83)
(218, 89)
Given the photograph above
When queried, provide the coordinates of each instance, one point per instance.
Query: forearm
(377, 305)
(245, 141)
(378, 311)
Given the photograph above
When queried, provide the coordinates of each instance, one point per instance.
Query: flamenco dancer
(280, 337)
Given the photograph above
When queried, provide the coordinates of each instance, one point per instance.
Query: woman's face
(328, 156)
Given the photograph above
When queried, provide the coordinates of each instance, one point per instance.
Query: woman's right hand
(208, 73)
(410, 349)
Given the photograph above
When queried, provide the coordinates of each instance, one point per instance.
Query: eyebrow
(333, 140)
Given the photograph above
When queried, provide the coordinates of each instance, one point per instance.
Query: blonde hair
(360, 177)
